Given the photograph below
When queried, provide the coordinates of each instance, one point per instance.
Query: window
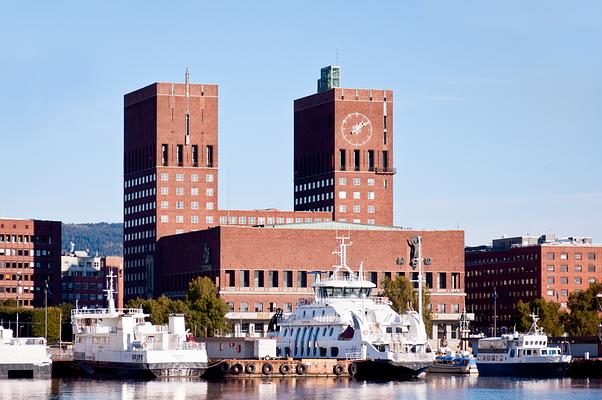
(244, 307)
(371, 209)
(179, 219)
(258, 308)
(164, 153)
(258, 279)
(591, 280)
(356, 209)
(342, 208)
(455, 280)
(164, 205)
(357, 181)
(301, 279)
(442, 280)
(244, 278)
(209, 205)
(209, 192)
(164, 218)
(342, 181)
(194, 219)
(564, 256)
(356, 195)
(288, 279)
(577, 256)
(208, 219)
(564, 280)
(342, 160)
(195, 155)
(370, 160)
(550, 292)
(179, 205)
(194, 191)
(194, 205)
(273, 279)
(550, 280)
(591, 256)
(342, 195)
(194, 177)
(356, 160)
(564, 292)
(179, 155)
(164, 190)
(564, 268)
(371, 181)
(371, 222)
(550, 256)
(209, 178)
(210, 156)
(370, 195)
(578, 268)
(164, 177)
(550, 268)
(180, 191)
(591, 268)
(578, 280)
(385, 160)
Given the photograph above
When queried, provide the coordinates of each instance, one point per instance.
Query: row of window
(8, 238)
(232, 220)
(139, 194)
(358, 221)
(140, 235)
(143, 248)
(150, 219)
(25, 253)
(576, 256)
(180, 205)
(139, 208)
(194, 155)
(500, 271)
(82, 286)
(314, 185)
(577, 268)
(564, 280)
(357, 209)
(489, 296)
(18, 265)
(140, 180)
(179, 177)
(314, 198)
(194, 219)
(194, 191)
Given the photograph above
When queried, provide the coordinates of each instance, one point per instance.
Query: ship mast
(110, 291)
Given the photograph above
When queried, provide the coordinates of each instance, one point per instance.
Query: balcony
(385, 171)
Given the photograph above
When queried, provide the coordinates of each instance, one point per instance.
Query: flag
(47, 288)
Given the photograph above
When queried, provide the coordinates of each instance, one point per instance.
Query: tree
(403, 297)
(584, 318)
(550, 317)
(159, 309)
(208, 311)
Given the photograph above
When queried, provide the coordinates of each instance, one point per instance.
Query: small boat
(119, 343)
(24, 357)
(454, 363)
(345, 323)
(525, 354)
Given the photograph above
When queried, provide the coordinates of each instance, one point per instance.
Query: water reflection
(434, 386)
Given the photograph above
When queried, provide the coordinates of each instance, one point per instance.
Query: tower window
(210, 156)
(385, 160)
(164, 159)
(195, 155)
(342, 160)
(356, 160)
(370, 160)
(179, 155)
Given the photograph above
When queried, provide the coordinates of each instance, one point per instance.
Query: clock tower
(344, 153)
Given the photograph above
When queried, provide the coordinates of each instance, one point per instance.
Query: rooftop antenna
(187, 105)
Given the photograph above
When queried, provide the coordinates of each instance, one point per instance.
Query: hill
(104, 238)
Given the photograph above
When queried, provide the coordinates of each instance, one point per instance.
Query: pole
(494, 312)
(420, 277)
(18, 298)
(46, 312)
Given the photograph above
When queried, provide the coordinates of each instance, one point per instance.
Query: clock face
(356, 129)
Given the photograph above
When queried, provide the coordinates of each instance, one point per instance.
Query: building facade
(526, 268)
(30, 258)
(260, 269)
(84, 279)
(343, 157)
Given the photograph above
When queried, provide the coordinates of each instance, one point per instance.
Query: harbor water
(432, 387)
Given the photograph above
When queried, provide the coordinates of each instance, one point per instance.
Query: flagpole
(494, 312)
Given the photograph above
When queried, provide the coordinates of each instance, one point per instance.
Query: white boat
(344, 322)
(525, 354)
(25, 357)
(119, 343)
(454, 363)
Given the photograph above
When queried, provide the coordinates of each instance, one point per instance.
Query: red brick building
(344, 154)
(258, 269)
(30, 256)
(526, 268)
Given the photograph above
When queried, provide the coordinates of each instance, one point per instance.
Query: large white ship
(119, 342)
(344, 322)
(25, 357)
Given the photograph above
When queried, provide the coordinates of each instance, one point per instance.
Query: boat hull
(453, 369)
(386, 370)
(142, 370)
(523, 369)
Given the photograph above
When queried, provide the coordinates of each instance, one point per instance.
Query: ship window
(389, 329)
(528, 352)
(334, 352)
(330, 332)
(322, 351)
(544, 352)
(512, 353)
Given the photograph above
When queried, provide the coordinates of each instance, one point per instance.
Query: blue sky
(498, 107)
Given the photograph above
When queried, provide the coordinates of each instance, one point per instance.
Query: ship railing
(96, 329)
(27, 341)
(381, 300)
(89, 311)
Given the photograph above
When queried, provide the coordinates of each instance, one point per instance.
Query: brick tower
(170, 171)
(344, 152)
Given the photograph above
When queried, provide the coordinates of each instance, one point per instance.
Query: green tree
(159, 309)
(403, 297)
(550, 317)
(584, 318)
(207, 310)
